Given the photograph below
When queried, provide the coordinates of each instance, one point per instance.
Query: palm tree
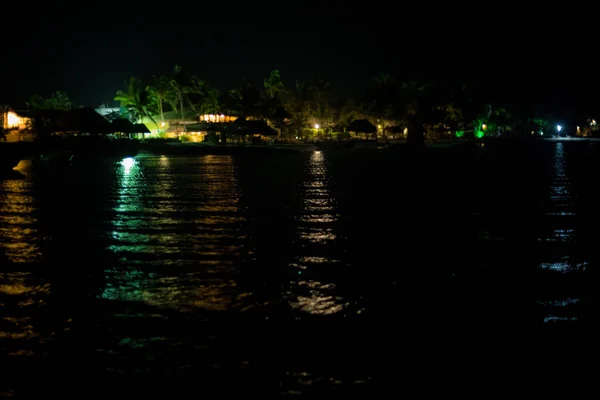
(57, 101)
(246, 101)
(272, 84)
(35, 102)
(349, 112)
(211, 103)
(321, 110)
(136, 101)
(183, 85)
(297, 103)
(160, 90)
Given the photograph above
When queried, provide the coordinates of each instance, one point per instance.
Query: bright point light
(558, 128)
(379, 126)
(162, 124)
(483, 127)
(316, 126)
(128, 163)
(593, 122)
(405, 131)
(12, 120)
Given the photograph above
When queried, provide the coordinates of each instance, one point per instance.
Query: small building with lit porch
(14, 123)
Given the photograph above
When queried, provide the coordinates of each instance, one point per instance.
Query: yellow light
(378, 126)
(13, 119)
(406, 131)
(316, 126)
(222, 115)
(483, 127)
(162, 124)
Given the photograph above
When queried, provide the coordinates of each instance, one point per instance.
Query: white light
(316, 126)
(541, 132)
(127, 164)
(13, 120)
(558, 128)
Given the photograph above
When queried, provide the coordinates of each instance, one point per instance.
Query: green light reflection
(174, 232)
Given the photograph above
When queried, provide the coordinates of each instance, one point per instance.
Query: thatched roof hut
(83, 120)
(242, 126)
(362, 126)
(122, 125)
(140, 128)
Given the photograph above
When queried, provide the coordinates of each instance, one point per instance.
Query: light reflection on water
(23, 293)
(315, 228)
(558, 239)
(175, 233)
(176, 228)
(19, 231)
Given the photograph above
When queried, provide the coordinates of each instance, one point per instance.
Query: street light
(316, 126)
(558, 128)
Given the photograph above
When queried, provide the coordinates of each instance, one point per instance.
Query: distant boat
(59, 158)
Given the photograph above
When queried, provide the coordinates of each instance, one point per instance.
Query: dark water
(334, 273)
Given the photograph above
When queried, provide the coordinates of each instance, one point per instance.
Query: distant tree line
(436, 109)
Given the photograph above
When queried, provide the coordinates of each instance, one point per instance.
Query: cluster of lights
(215, 118)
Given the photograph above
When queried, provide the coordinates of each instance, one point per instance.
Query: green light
(460, 133)
(480, 134)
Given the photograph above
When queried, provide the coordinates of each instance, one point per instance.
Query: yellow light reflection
(19, 233)
(316, 228)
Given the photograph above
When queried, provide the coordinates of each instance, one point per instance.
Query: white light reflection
(559, 208)
(128, 163)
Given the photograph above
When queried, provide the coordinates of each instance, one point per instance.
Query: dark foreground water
(337, 273)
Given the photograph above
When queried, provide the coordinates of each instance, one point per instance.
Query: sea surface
(318, 273)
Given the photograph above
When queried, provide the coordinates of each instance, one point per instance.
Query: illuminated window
(13, 120)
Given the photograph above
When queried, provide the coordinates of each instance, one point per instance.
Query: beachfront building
(15, 123)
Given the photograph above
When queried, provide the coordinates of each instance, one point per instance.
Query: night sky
(89, 52)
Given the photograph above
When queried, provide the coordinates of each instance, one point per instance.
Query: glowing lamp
(13, 120)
